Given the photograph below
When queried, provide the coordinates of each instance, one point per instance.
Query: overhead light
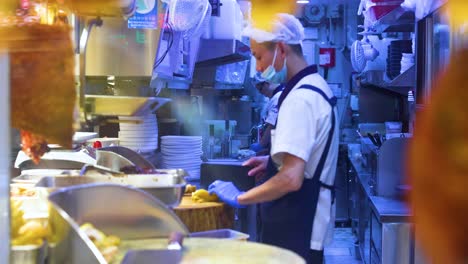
(302, 1)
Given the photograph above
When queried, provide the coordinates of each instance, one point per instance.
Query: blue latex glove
(256, 147)
(227, 192)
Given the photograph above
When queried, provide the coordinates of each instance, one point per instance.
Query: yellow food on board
(263, 11)
(203, 196)
(190, 188)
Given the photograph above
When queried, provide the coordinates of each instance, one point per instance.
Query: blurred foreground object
(438, 167)
(458, 12)
(7, 6)
(264, 11)
(43, 94)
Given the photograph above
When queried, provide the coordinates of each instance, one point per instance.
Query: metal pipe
(83, 45)
(428, 63)
(5, 157)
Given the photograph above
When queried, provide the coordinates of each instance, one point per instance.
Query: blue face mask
(271, 75)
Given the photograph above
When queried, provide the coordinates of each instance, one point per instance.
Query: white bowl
(148, 134)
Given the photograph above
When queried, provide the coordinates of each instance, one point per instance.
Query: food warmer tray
(169, 188)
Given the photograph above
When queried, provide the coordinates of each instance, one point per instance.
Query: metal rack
(102, 105)
(398, 20)
(400, 84)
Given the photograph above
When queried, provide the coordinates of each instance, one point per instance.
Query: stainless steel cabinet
(353, 201)
(364, 212)
(342, 191)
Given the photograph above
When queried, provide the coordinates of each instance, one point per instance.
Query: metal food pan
(221, 234)
(28, 254)
(168, 188)
(122, 211)
(34, 176)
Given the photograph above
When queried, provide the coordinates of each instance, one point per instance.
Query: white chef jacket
(272, 109)
(304, 122)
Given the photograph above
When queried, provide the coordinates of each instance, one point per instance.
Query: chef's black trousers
(316, 257)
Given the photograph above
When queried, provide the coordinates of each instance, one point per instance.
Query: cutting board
(204, 216)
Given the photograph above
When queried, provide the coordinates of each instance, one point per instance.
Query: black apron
(287, 222)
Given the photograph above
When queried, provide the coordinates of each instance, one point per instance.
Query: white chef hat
(285, 28)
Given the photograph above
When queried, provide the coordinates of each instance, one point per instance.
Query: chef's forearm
(288, 179)
(270, 190)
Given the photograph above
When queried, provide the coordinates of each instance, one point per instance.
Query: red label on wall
(327, 57)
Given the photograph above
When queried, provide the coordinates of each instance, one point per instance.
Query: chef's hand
(256, 147)
(227, 192)
(259, 165)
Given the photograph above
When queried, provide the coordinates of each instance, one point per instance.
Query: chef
(297, 195)
(273, 92)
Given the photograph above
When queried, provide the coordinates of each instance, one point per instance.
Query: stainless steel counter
(386, 209)
(384, 224)
(390, 210)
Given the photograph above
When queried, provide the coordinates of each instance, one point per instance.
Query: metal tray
(131, 155)
(169, 188)
(123, 105)
(125, 212)
(34, 176)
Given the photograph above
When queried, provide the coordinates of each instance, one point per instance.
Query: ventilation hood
(214, 52)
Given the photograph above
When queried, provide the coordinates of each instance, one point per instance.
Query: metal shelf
(399, 84)
(215, 52)
(101, 105)
(398, 20)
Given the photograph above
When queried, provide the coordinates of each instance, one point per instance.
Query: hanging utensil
(378, 139)
(371, 137)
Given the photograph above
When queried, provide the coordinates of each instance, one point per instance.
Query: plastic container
(222, 234)
(229, 24)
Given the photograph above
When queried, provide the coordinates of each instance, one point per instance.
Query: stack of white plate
(182, 152)
(139, 133)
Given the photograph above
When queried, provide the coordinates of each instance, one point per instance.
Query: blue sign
(146, 15)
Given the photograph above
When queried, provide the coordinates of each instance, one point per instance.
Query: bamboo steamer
(204, 216)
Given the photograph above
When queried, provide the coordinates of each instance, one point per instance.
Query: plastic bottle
(211, 143)
(412, 109)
